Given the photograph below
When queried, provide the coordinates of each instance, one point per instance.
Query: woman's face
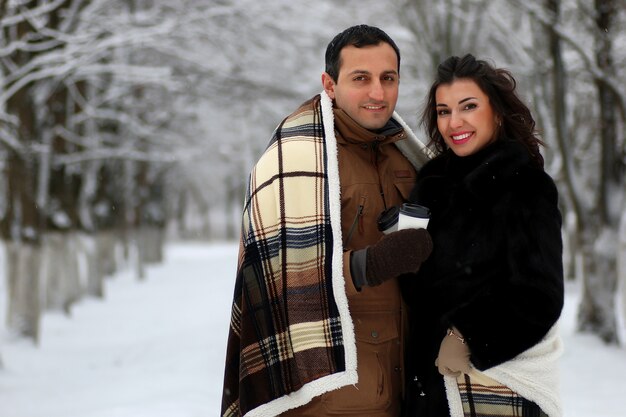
(465, 117)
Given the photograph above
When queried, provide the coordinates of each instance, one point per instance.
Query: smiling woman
(466, 86)
(497, 255)
(465, 117)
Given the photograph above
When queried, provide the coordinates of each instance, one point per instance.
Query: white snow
(156, 349)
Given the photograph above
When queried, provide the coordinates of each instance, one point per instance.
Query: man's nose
(376, 91)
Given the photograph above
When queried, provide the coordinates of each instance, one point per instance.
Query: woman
(491, 292)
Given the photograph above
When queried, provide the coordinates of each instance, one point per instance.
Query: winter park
(127, 132)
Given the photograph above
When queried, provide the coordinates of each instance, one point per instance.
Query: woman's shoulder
(509, 168)
(531, 181)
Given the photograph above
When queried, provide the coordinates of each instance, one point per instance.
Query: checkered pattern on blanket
(484, 397)
(285, 329)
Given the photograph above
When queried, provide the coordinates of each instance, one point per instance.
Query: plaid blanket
(483, 396)
(527, 385)
(291, 336)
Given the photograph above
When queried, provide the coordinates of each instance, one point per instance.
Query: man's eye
(360, 78)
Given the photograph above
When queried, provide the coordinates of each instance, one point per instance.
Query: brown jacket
(374, 175)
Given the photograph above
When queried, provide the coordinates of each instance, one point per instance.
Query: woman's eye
(442, 112)
(470, 106)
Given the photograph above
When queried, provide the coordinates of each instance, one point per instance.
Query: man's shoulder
(309, 106)
(304, 123)
(297, 141)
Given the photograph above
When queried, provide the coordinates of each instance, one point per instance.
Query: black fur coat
(496, 269)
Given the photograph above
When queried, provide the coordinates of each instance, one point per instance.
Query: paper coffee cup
(413, 216)
(388, 220)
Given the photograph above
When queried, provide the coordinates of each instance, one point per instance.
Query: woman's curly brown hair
(499, 85)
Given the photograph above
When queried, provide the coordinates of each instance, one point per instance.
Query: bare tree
(591, 154)
(28, 34)
(86, 92)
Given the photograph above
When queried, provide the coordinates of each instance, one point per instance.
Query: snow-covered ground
(156, 349)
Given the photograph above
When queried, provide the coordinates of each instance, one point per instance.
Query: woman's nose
(455, 120)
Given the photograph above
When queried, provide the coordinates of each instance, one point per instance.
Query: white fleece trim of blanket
(533, 374)
(334, 198)
(303, 396)
(454, 396)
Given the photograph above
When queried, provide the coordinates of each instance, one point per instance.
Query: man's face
(367, 85)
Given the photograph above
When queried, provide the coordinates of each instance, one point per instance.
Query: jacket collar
(352, 132)
(490, 169)
(483, 174)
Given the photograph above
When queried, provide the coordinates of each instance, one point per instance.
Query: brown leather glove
(394, 254)
(454, 355)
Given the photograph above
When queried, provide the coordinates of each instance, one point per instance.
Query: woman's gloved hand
(454, 354)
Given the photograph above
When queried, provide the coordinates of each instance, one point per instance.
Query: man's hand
(394, 254)
(454, 355)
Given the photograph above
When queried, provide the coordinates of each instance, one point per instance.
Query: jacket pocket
(378, 357)
(404, 188)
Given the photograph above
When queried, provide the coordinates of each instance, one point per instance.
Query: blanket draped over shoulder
(291, 336)
(533, 375)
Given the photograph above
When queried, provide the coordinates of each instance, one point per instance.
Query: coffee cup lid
(415, 210)
(388, 218)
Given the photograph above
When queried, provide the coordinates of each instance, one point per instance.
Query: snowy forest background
(128, 123)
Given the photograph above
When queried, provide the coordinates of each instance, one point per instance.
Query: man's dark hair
(358, 36)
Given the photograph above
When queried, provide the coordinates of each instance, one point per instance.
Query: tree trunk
(621, 282)
(61, 275)
(140, 263)
(23, 269)
(152, 238)
(597, 308)
(106, 245)
(94, 280)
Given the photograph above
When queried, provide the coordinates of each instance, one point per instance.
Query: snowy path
(156, 349)
(152, 348)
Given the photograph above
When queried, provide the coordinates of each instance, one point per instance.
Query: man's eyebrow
(361, 71)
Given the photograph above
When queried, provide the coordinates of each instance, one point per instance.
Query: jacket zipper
(374, 146)
(355, 222)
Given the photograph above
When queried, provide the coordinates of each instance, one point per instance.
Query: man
(316, 325)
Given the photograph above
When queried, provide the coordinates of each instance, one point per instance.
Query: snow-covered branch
(9, 140)
(113, 154)
(545, 18)
(80, 50)
(31, 14)
(32, 47)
